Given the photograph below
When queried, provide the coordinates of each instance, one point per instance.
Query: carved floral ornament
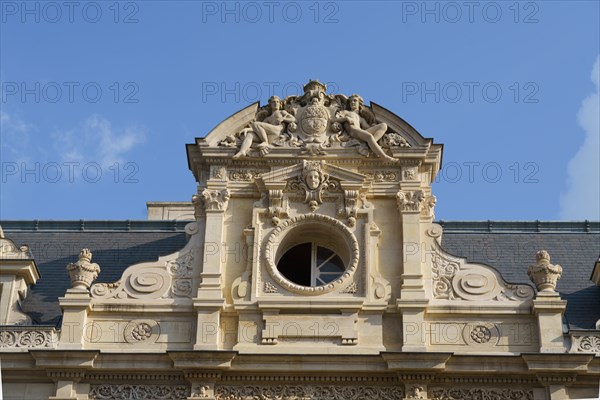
(314, 123)
(28, 337)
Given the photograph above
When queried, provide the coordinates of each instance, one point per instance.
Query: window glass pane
(323, 254)
(330, 266)
(295, 264)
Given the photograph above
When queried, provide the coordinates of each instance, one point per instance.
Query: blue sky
(100, 98)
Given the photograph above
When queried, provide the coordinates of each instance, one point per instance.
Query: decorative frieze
(28, 337)
(308, 392)
(246, 174)
(381, 175)
(139, 392)
(585, 343)
(480, 394)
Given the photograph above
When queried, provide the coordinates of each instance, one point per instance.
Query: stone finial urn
(543, 274)
(82, 273)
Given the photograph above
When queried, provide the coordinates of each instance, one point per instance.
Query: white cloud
(15, 137)
(95, 140)
(582, 198)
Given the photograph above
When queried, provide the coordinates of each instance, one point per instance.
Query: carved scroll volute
(350, 200)
(277, 208)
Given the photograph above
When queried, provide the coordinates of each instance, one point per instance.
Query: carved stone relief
(585, 343)
(479, 394)
(139, 392)
(410, 201)
(28, 338)
(454, 279)
(151, 281)
(308, 392)
(312, 184)
(315, 122)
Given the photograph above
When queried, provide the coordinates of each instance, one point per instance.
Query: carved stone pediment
(315, 123)
(310, 183)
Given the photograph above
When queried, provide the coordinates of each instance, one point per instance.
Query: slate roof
(509, 246)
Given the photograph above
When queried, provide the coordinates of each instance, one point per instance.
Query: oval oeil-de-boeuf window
(310, 264)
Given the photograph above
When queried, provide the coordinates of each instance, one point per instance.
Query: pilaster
(549, 309)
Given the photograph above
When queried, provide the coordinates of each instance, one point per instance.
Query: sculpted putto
(315, 123)
(268, 130)
(359, 128)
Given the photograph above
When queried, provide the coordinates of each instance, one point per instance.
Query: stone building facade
(312, 268)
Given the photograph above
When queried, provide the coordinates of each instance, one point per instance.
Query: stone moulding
(456, 279)
(274, 238)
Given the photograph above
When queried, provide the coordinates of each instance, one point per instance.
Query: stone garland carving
(314, 122)
(454, 280)
(82, 272)
(382, 176)
(245, 175)
(480, 394)
(139, 392)
(273, 240)
(308, 392)
(410, 201)
(30, 338)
